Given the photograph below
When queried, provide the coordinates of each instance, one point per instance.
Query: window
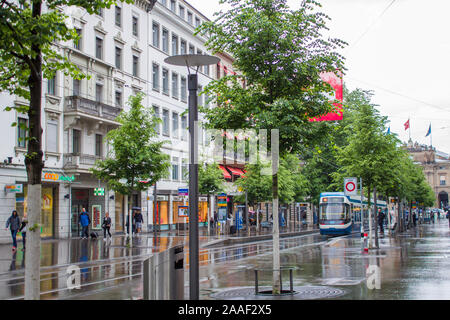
(76, 87)
(77, 43)
(173, 5)
(165, 77)
(175, 125)
(182, 47)
(156, 110)
(175, 169)
(155, 77)
(118, 58)
(118, 16)
(100, 12)
(442, 180)
(189, 16)
(135, 26)
(98, 145)
(206, 70)
(183, 89)
(174, 44)
(164, 2)
(155, 29)
(52, 136)
(165, 41)
(165, 123)
(184, 128)
(135, 66)
(76, 141)
(181, 12)
(98, 48)
(98, 92)
(51, 86)
(197, 22)
(174, 85)
(118, 98)
(22, 125)
(191, 49)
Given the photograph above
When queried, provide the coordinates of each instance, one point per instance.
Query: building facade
(122, 50)
(436, 167)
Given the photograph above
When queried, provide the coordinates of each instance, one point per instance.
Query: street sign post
(350, 188)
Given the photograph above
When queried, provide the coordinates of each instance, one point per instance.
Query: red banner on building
(337, 84)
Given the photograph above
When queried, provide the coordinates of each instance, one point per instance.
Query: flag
(429, 131)
(406, 124)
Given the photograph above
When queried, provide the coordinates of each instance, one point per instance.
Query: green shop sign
(57, 177)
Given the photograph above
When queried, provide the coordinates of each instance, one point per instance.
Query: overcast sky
(400, 49)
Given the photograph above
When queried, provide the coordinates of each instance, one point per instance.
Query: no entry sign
(350, 186)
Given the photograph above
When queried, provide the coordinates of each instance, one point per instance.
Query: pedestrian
(85, 221)
(381, 220)
(13, 223)
(139, 219)
(106, 225)
(448, 216)
(23, 229)
(414, 217)
(133, 223)
(215, 218)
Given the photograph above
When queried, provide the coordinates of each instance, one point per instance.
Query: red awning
(226, 175)
(235, 171)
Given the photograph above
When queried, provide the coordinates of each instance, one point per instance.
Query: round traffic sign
(350, 186)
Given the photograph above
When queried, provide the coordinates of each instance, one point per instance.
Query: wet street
(411, 265)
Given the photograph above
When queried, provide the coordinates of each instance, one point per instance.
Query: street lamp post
(193, 60)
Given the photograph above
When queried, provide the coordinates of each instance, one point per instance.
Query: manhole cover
(302, 293)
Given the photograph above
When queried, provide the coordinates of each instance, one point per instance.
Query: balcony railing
(91, 107)
(80, 161)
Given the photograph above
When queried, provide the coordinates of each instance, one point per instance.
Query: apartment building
(122, 49)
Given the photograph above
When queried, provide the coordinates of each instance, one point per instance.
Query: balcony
(91, 110)
(79, 162)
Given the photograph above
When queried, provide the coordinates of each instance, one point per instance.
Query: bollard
(365, 243)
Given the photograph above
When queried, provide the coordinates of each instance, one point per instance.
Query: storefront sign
(183, 191)
(96, 216)
(183, 211)
(99, 191)
(14, 188)
(57, 177)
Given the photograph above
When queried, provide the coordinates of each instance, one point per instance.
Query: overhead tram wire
(401, 95)
(370, 27)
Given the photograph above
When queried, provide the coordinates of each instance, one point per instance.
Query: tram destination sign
(350, 186)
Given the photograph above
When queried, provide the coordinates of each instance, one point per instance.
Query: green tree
(279, 55)
(27, 54)
(135, 161)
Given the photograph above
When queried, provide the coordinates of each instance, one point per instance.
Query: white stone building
(122, 50)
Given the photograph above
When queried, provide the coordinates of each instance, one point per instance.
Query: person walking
(414, 218)
(13, 223)
(139, 219)
(381, 220)
(23, 229)
(448, 216)
(85, 221)
(106, 225)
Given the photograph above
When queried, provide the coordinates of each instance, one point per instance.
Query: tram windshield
(334, 211)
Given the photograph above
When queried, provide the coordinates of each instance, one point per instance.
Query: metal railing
(91, 107)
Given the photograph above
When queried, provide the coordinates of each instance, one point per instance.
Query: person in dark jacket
(106, 225)
(381, 220)
(138, 220)
(13, 223)
(85, 221)
(23, 229)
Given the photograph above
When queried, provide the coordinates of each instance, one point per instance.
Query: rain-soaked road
(413, 265)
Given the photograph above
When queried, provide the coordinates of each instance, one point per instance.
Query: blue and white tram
(340, 214)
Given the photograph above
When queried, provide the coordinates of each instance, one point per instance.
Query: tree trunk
(34, 165)
(376, 215)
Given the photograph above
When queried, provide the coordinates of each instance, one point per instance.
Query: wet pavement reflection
(412, 265)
